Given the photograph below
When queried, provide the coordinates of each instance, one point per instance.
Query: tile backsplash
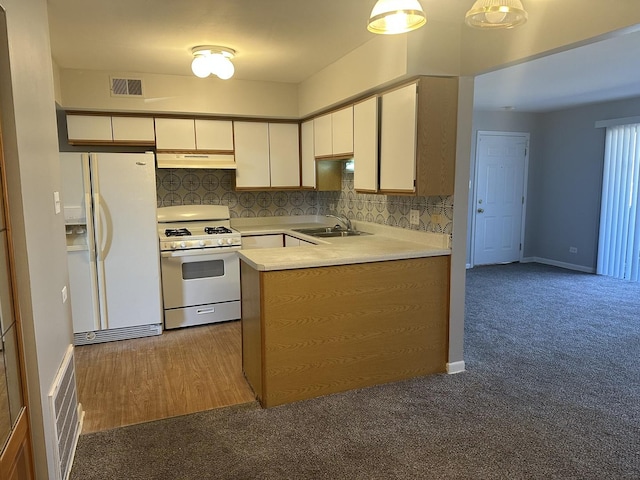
(217, 187)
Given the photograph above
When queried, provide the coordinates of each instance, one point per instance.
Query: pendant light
(389, 17)
(496, 14)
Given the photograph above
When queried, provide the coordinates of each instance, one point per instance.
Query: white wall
(90, 90)
(552, 26)
(31, 153)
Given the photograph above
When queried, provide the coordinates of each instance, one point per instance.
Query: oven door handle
(198, 251)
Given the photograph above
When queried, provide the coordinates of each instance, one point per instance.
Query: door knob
(481, 210)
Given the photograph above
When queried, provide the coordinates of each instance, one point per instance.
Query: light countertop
(384, 243)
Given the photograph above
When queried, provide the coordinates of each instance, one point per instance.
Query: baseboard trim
(555, 263)
(455, 367)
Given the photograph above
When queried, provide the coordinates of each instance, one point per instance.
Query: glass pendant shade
(496, 14)
(390, 17)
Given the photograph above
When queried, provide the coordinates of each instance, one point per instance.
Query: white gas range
(188, 227)
(200, 265)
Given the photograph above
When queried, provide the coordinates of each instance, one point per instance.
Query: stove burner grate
(216, 230)
(177, 232)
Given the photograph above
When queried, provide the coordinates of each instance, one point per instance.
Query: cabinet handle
(481, 210)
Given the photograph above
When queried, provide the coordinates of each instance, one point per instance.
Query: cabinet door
(322, 136)
(398, 140)
(133, 129)
(365, 145)
(290, 241)
(342, 131)
(262, 241)
(308, 163)
(284, 154)
(175, 134)
(214, 135)
(87, 128)
(252, 154)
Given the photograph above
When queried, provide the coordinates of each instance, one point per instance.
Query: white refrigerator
(112, 245)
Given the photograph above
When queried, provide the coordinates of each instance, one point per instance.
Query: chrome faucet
(343, 219)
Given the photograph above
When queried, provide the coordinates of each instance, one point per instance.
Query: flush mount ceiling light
(212, 60)
(496, 14)
(396, 16)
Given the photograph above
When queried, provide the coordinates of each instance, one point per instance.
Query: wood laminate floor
(179, 372)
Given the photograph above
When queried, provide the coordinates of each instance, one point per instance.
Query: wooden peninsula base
(314, 331)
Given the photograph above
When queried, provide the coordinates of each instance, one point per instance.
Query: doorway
(500, 197)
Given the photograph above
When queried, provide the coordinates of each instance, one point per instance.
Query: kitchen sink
(329, 232)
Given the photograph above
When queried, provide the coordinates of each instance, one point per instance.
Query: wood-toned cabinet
(418, 124)
(267, 155)
(194, 135)
(333, 134)
(110, 130)
(365, 145)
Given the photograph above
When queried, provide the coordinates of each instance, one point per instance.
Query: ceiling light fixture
(396, 16)
(212, 60)
(496, 14)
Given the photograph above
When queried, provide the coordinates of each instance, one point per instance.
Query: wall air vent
(126, 87)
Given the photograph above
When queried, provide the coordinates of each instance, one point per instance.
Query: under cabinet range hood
(196, 160)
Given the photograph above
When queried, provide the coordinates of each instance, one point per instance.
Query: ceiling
(290, 40)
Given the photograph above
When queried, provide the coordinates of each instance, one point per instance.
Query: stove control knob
(183, 244)
(174, 245)
(219, 241)
(230, 241)
(202, 243)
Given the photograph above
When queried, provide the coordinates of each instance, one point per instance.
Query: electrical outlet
(414, 217)
(573, 249)
(64, 294)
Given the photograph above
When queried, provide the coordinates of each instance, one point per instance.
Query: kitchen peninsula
(344, 313)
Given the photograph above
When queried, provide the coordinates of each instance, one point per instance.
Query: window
(619, 239)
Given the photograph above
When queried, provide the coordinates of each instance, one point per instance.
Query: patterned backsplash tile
(217, 187)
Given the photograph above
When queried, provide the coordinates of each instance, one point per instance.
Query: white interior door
(499, 202)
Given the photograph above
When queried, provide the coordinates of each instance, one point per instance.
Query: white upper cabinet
(188, 134)
(175, 134)
(342, 131)
(308, 161)
(333, 134)
(398, 140)
(284, 154)
(267, 155)
(89, 127)
(322, 136)
(252, 154)
(214, 135)
(365, 145)
(101, 129)
(418, 137)
(133, 129)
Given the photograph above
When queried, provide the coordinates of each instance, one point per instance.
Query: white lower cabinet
(290, 241)
(262, 241)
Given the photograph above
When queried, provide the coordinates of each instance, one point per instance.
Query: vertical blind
(619, 239)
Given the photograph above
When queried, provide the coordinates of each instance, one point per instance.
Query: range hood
(196, 160)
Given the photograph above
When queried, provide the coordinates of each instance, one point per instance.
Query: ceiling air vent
(126, 87)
